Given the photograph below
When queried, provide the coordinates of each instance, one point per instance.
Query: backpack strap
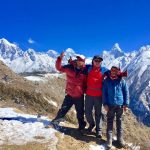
(89, 68)
(103, 70)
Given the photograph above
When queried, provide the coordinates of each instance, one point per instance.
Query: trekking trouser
(114, 111)
(79, 107)
(96, 103)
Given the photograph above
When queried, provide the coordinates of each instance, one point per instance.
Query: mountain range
(137, 63)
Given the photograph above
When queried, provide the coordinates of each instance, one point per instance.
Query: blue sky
(87, 26)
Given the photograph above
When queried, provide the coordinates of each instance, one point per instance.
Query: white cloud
(31, 41)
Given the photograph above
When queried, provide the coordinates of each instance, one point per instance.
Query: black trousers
(79, 107)
(115, 111)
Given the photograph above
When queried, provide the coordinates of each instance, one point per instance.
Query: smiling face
(80, 63)
(97, 62)
(114, 71)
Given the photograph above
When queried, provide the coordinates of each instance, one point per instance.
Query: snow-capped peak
(8, 50)
(145, 48)
(116, 51)
(116, 47)
(31, 51)
(52, 53)
(6, 42)
(32, 54)
(70, 50)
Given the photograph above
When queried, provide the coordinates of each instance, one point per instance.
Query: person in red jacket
(76, 74)
(93, 97)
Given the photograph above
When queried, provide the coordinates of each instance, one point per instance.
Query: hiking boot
(98, 134)
(90, 128)
(82, 127)
(55, 122)
(120, 140)
(109, 145)
(109, 139)
(81, 130)
(121, 143)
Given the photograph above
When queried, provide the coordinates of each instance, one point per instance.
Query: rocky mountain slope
(41, 97)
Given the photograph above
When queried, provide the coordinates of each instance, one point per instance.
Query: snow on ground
(52, 75)
(51, 102)
(43, 78)
(98, 147)
(17, 128)
(104, 146)
(35, 78)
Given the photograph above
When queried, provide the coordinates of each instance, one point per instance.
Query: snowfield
(44, 77)
(19, 129)
(35, 78)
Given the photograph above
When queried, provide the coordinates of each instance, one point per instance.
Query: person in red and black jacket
(76, 74)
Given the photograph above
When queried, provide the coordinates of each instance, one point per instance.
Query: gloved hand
(70, 60)
(62, 55)
(123, 74)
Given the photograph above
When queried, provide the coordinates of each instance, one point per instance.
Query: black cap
(97, 57)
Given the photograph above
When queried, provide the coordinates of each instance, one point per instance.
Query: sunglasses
(97, 60)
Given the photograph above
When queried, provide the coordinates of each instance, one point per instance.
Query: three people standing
(112, 92)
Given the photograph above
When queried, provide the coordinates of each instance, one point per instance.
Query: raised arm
(58, 64)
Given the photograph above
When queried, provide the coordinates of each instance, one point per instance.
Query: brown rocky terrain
(34, 98)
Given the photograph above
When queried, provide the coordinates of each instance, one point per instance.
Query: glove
(70, 60)
(123, 74)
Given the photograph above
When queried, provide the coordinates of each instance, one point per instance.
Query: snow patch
(14, 131)
(34, 78)
(98, 147)
(52, 75)
(143, 68)
(51, 102)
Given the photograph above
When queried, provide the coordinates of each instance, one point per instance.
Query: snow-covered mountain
(30, 61)
(139, 84)
(9, 51)
(136, 62)
(52, 53)
(117, 57)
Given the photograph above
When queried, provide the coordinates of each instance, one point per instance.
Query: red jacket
(76, 78)
(94, 82)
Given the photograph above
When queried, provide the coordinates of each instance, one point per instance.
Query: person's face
(80, 64)
(114, 72)
(97, 62)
